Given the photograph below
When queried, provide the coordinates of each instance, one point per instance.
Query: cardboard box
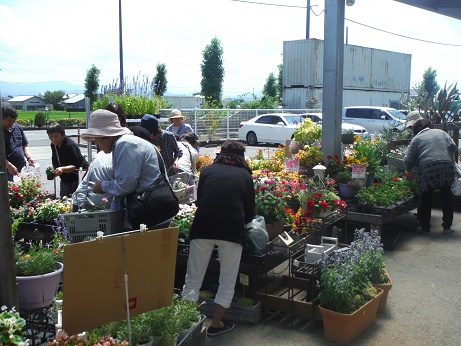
(94, 277)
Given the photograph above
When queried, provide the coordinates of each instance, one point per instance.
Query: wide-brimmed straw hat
(412, 117)
(176, 114)
(103, 123)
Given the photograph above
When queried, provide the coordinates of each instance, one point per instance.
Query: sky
(55, 40)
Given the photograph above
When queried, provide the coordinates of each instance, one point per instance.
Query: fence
(220, 124)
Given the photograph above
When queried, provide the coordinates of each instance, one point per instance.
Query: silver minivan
(374, 119)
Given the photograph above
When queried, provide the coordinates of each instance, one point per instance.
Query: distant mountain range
(26, 89)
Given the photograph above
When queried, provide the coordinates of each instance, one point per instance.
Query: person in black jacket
(66, 158)
(225, 204)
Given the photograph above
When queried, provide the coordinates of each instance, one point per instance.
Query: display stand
(292, 296)
(40, 325)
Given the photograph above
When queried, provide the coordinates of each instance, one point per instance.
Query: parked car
(345, 127)
(269, 128)
(374, 119)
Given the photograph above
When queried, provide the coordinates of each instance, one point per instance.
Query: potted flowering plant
(348, 300)
(183, 220)
(27, 189)
(11, 325)
(49, 171)
(388, 193)
(38, 271)
(48, 210)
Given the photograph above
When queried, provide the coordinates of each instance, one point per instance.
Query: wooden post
(8, 293)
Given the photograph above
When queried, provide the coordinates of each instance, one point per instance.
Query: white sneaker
(448, 230)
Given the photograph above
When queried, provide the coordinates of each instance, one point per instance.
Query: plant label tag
(358, 171)
(291, 165)
(244, 280)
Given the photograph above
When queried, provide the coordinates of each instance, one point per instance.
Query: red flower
(376, 184)
(310, 204)
(318, 195)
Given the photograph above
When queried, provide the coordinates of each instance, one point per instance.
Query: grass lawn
(30, 115)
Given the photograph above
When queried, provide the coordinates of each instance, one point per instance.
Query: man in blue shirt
(16, 143)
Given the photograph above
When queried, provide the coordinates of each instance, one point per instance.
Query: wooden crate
(289, 295)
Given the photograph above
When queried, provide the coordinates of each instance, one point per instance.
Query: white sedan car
(279, 127)
(269, 128)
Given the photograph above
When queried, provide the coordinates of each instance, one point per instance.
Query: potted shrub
(348, 301)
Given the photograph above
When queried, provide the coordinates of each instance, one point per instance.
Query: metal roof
(75, 99)
(450, 8)
(20, 98)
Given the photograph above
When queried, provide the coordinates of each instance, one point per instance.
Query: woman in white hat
(178, 127)
(135, 160)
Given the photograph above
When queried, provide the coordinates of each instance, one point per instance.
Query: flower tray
(367, 209)
(239, 313)
(85, 225)
(195, 336)
(397, 165)
(290, 295)
(314, 253)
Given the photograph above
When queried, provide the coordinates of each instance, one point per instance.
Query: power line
(264, 3)
(350, 20)
(408, 37)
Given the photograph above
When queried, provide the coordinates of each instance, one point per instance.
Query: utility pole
(8, 293)
(308, 19)
(122, 79)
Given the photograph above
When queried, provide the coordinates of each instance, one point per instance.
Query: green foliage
(54, 97)
(310, 156)
(160, 80)
(92, 83)
(133, 105)
(345, 280)
(212, 71)
(40, 119)
(270, 88)
(313, 103)
(387, 193)
(280, 81)
(443, 106)
(269, 197)
(308, 132)
(11, 326)
(263, 103)
(40, 259)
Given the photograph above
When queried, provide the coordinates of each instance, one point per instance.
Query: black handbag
(156, 204)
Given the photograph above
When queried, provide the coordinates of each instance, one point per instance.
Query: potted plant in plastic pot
(348, 301)
(11, 326)
(39, 272)
(270, 196)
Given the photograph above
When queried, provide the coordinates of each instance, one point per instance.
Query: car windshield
(398, 115)
(294, 119)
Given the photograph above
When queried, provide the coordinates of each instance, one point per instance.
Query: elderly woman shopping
(135, 164)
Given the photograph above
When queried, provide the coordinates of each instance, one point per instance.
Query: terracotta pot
(38, 291)
(386, 288)
(343, 328)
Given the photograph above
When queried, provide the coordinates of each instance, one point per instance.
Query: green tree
(54, 97)
(428, 88)
(270, 88)
(160, 80)
(212, 72)
(92, 83)
(280, 81)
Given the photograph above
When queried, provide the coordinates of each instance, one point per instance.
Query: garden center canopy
(450, 8)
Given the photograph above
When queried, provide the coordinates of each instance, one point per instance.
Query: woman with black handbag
(137, 172)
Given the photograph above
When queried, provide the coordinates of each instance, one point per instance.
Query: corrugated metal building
(372, 77)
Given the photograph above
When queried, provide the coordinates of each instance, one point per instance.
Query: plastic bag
(456, 187)
(456, 184)
(258, 234)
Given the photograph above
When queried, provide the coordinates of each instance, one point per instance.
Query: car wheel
(252, 139)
